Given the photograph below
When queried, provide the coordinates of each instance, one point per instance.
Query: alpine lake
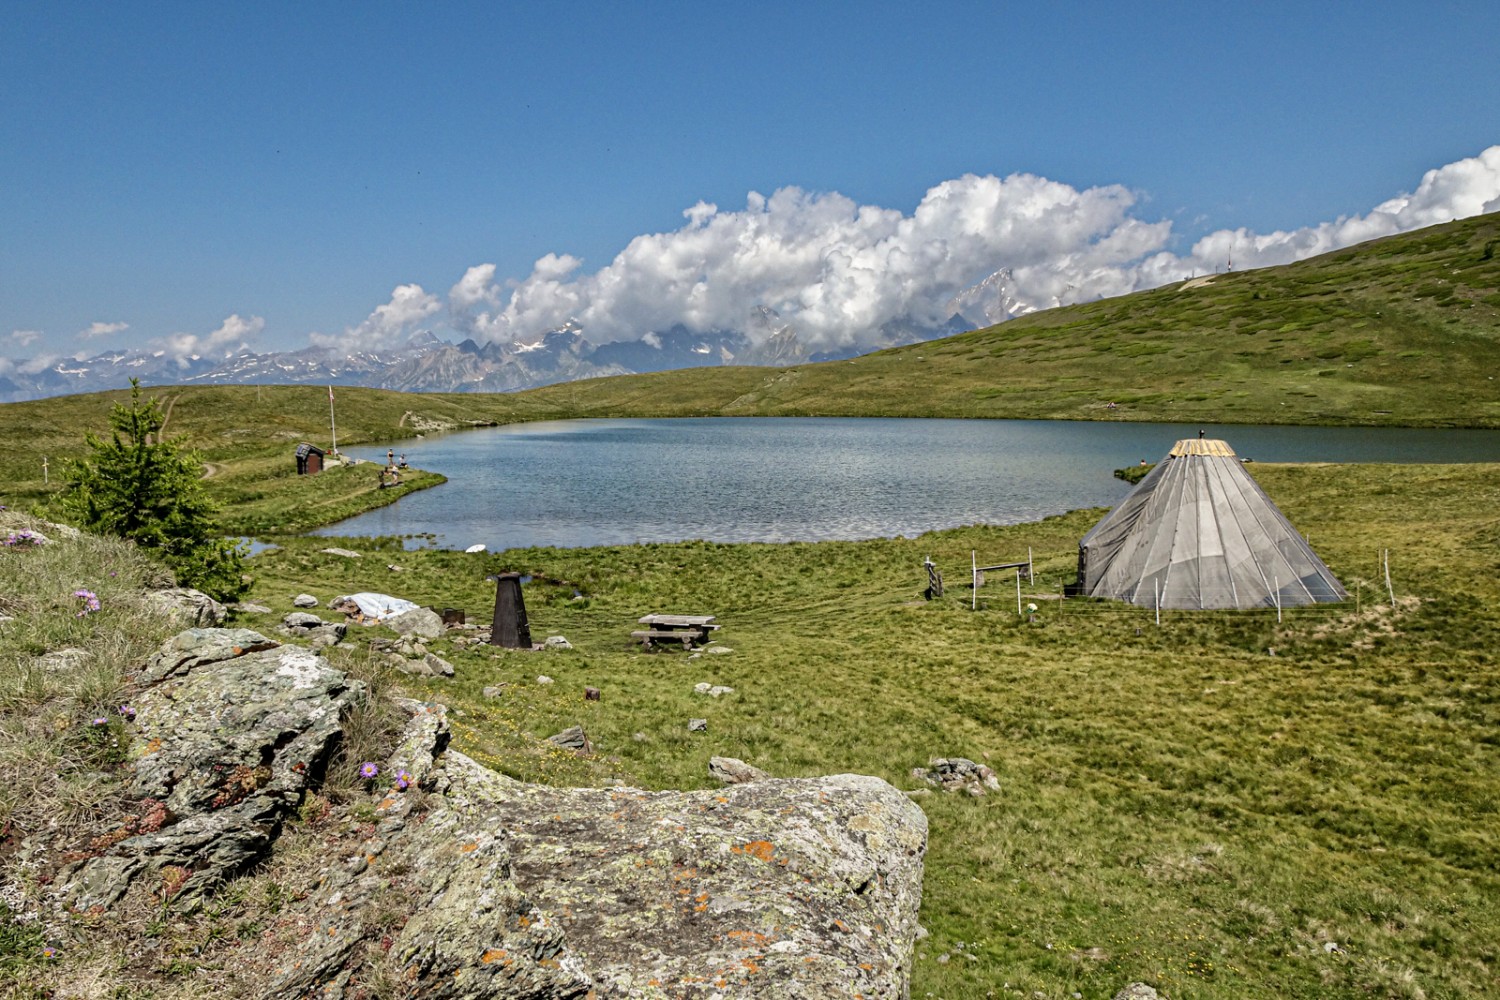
(584, 483)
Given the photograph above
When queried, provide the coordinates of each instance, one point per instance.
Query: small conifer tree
(140, 486)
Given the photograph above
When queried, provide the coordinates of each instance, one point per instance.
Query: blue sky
(166, 166)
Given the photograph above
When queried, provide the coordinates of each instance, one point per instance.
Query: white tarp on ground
(377, 605)
(1199, 532)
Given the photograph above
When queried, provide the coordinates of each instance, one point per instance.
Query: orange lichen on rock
(759, 849)
(749, 937)
(492, 955)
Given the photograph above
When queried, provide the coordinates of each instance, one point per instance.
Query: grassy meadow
(1223, 806)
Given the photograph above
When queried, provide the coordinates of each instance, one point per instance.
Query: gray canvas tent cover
(1199, 532)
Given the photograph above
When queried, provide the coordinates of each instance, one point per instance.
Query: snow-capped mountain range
(426, 363)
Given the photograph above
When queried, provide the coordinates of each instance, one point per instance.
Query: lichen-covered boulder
(227, 737)
(188, 606)
(457, 883)
(474, 885)
(799, 887)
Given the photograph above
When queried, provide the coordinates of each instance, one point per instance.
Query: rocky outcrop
(230, 732)
(188, 606)
(467, 884)
(955, 774)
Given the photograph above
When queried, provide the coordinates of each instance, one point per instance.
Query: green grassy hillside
(1400, 331)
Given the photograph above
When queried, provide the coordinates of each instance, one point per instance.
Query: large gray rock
(733, 771)
(187, 606)
(458, 883)
(200, 646)
(226, 739)
(422, 621)
(800, 888)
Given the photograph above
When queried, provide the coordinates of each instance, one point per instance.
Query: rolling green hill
(1400, 331)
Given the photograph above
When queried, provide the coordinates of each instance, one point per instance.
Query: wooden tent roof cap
(1201, 447)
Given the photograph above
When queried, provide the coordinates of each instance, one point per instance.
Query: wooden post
(1018, 591)
(974, 579)
(1388, 587)
(46, 479)
(1156, 586)
(1276, 592)
(333, 430)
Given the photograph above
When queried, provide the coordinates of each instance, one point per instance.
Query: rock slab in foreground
(777, 888)
(781, 888)
(463, 884)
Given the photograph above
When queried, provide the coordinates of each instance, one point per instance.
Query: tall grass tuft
(64, 664)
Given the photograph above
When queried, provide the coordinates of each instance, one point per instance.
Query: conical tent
(1199, 532)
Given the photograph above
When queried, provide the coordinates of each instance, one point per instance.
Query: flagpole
(332, 427)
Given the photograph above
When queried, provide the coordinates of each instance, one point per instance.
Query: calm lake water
(603, 482)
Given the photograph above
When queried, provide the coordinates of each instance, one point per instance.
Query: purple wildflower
(128, 711)
(368, 769)
(90, 601)
(403, 779)
(101, 721)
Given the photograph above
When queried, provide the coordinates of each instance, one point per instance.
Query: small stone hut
(309, 459)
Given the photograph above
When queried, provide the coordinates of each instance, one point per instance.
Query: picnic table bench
(685, 629)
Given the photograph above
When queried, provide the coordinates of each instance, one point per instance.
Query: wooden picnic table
(685, 629)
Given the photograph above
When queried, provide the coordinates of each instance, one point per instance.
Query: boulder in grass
(190, 608)
(572, 738)
(732, 771)
(955, 774)
(422, 621)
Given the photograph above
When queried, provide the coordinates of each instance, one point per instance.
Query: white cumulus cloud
(234, 334)
(24, 338)
(840, 272)
(836, 270)
(96, 330)
(393, 322)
